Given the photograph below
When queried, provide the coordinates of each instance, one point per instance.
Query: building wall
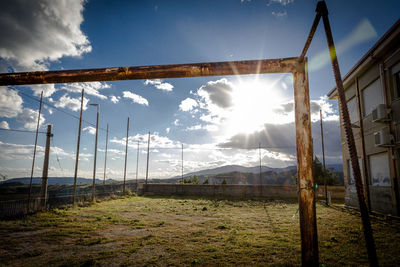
(379, 165)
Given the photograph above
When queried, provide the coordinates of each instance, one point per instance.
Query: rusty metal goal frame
(297, 66)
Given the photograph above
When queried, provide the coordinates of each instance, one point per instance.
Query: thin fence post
(126, 154)
(105, 157)
(148, 154)
(77, 150)
(34, 153)
(323, 157)
(45, 173)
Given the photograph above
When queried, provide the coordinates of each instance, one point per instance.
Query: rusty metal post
(77, 149)
(126, 153)
(137, 163)
(306, 186)
(369, 239)
(323, 157)
(34, 152)
(45, 174)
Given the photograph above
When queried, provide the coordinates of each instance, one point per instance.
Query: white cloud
(29, 118)
(10, 102)
(4, 125)
(48, 89)
(72, 103)
(90, 130)
(115, 99)
(135, 98)
(176, 122)
(279, 14)
(188, 104)
(282, 2)
(194, 127)
(159, 84)
(41, 32)
(218, 93)
(167, 130)
(156, 141)
(91, 88)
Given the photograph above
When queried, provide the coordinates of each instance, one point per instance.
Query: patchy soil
(154, 231)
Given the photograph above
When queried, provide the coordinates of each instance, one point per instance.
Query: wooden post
(126, 153)
(34, 152)
(306, 186)
(323, 157)
(77, 150)
(148, 153)
(43, 191)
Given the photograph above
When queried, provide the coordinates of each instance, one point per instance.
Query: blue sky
(220, 120)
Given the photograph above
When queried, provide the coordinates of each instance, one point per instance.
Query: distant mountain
(238, 168)
(255, 169)
(53, 180)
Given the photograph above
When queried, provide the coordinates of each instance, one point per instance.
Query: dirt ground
(144, 231)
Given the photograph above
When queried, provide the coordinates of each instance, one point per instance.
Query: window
(372, 96)
(352, 107)
(396, 80)
(379, 168)
(350, 171)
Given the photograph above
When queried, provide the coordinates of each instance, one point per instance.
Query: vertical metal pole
(182, 163)
(95, 157)
(105, 158)
(369, 239)
(323, 157)
(308, 222)
(34, 152)
(137, 162)
(126, 153)
(148, 153)
(45, 173)
(259, 152)
(77, 149)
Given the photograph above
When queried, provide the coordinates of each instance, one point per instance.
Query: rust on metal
(310, 36)
(369, 239)
(306, 186)
(150, 72)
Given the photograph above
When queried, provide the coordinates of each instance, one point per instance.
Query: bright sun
(256, 102)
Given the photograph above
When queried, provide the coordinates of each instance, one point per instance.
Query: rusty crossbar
(151, 72)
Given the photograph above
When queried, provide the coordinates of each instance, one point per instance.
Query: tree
(224, 182)
(319, 174)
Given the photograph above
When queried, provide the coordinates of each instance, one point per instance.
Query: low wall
(234, 191)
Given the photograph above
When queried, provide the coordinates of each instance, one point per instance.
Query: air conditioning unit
(381, 114)
(383, 138)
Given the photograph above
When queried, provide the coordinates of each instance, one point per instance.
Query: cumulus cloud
(176, 122)
(167, 130)
(72, 103)
(281, 138)
(115, 99)
(188, 104)
(10, 102)
(48, 89)
(90, 130)
(91, 88)
(4, 125)
(159, 84)
(279, 14)
(29, 118)
(156, 141)
(217, 92)
(282, 2)
(135, 98)
(38, 33)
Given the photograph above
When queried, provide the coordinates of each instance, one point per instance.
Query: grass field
(145, 231)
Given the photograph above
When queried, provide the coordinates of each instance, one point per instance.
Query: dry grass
(144, 231)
